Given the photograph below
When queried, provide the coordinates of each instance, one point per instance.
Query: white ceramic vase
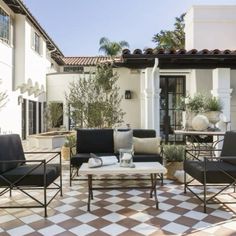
(200, 122)
(187, 119)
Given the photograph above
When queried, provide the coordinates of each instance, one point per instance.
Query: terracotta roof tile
(158, 51)
(88, 61)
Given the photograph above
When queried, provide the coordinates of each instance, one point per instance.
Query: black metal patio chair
(17, 173)
(218, 172)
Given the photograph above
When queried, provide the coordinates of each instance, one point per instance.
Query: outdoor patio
(118, 212)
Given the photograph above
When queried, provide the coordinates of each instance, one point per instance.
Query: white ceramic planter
(187, 119)
(213, 116)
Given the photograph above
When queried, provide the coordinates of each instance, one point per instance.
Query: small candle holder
(126, 157)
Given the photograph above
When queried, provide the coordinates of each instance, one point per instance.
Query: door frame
(167, 125)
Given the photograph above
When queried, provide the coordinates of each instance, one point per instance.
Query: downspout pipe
(156, 63)
(156, 97)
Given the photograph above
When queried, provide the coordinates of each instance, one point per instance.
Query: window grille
(4, 26)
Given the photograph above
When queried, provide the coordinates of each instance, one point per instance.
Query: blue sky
(76, 26)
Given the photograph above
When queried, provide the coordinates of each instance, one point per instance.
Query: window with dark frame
(4, 26)
(36, 43)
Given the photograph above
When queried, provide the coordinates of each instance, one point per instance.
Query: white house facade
(34, 71)
(26, 57)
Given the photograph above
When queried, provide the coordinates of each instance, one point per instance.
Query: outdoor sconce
(127, 94)
(20, 100)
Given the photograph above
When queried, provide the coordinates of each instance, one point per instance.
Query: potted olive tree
(68, 146)
(173, 156)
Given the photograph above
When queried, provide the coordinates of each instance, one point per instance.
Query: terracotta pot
(172, 167)
(65, 153)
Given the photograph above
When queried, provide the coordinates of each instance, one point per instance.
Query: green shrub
(213, 104)
(70, 141)
(174, 152)
(196, 104)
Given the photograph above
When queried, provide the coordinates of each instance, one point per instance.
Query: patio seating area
(118, 212)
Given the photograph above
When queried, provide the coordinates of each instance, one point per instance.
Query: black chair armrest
(57, 153)
(22, 161)
(190, 154)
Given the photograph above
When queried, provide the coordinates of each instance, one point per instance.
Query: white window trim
(33, 41)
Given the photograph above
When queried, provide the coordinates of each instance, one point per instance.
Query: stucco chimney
(210, 27)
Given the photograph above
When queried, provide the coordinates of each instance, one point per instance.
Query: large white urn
(213, 117)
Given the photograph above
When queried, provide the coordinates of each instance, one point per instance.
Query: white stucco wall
(211, 27)
(199, 81)
(233, 99)
(130, 80)
(8, 113)
(36, 65)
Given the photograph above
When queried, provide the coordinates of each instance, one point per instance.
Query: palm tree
(111, 48)
(172, 39)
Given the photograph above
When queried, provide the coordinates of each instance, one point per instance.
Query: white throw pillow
(123, 140)
(147, 145)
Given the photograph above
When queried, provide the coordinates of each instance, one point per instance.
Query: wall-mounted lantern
(128, 94)
(20, 100)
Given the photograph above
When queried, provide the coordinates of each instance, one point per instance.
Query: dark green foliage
(213, 104)
(172, 39)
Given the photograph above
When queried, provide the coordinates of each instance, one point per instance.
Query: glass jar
(126, 157)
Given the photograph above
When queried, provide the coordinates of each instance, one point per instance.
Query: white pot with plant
(173, 156)
(193, 106)
(213, 108)
(68, 146)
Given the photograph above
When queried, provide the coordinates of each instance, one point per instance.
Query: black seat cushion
(147, 158)
(144, 133)
(35, 178)
(81, 158)
(10, 149)
(213, 170)
(95, 140)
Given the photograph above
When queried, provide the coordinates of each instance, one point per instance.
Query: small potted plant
(193, 106)
(66, 149)
(213, 107)
(173, 156)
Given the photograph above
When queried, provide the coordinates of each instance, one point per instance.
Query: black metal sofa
(17, 173)
(210, 172)
(101, 142)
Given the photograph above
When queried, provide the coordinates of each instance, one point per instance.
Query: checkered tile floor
(119, 212)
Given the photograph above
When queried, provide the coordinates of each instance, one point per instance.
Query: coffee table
(151, 168)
